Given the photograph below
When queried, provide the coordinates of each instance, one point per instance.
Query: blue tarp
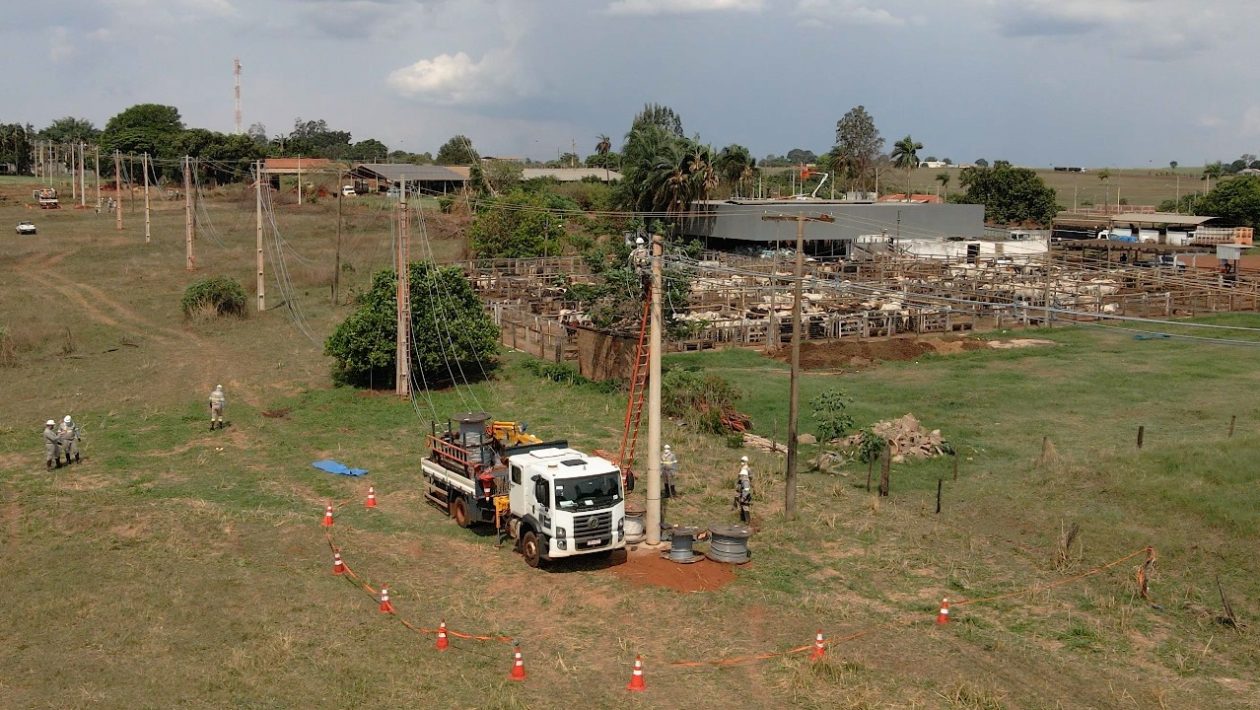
(338, 468)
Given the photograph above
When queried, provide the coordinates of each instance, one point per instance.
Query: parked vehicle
(554, 501)
(47, 198)
(26, 228)
(348, 191)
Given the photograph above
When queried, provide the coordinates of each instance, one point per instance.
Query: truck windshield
(588, 492)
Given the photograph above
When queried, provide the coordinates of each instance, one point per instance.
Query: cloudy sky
(1039, 82)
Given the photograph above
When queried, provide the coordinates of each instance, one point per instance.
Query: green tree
(858, 145)
(829, 411)
(982, 163)
(943, 178)
(520, 224)
(1010, 195)
(70, 130)
(502, 175)
(905, 155)
(603, 147)
(16, 143)
(457, 151)
(660, 116)
(1212, 171)
(368, 150)
(735, 165)
(145, 128)
(1172, 164)
(452, 336)
(1235, 200)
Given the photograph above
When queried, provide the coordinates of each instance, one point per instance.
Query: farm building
(431, 179)
(732, 224)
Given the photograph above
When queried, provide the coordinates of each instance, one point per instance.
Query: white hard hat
(218, 387)
(638, 240)
(743, 459)
(667, 447)
(67, 419)
(50, 423)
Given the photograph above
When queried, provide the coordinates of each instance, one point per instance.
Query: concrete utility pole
(653, 518)
(261, 283)
(794, 395)
(402, 373)
(83, 174)
(147, 220)
(117, 191)
(236, 73)
(74, 172)
(190, 228)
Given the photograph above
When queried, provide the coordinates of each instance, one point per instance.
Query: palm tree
(943, 179)
(602, 148)
(1215, 170)
(1103, 176)
(735, 165)
(906, 155)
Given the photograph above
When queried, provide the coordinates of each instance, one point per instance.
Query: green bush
(221, 295)
(565, 373)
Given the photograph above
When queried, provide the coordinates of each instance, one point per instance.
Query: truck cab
(564, 503)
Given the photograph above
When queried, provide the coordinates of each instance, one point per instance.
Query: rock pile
(906, 438)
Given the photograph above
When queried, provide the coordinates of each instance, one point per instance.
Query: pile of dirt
(860, 353)
(647, 568)
(906, 438)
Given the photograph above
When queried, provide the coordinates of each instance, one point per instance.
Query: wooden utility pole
(653, 518)
(337, 255)
(117, 191)
(794, 395)
(189, 223)
(96, 161)
(299, 181)
(402, 372)
(261, 283)
(147, 222)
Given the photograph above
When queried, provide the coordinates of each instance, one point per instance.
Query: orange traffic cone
(819, 648)
(339, 567)
(518, 665)
(942, 616)
(386, 607)
(371, 499)
(328, 520)
(442, 642)
(636, 679)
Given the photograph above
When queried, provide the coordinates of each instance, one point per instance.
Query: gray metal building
(734, 223)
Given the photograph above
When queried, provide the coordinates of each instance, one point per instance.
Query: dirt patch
(861, 353)
(856, 354)
(647, 568)
(279, 413)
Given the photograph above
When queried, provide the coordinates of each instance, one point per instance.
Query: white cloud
(680, 7)
(827, 13)
(60, 45)
(456, 79)
(1251, 121)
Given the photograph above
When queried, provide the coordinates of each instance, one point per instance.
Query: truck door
(517, 492)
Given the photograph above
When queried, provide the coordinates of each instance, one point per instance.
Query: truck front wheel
(530, 549)
(459, 511)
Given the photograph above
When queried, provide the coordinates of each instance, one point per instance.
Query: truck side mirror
(540, 492)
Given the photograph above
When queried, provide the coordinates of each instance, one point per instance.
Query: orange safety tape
(374, 593)
(912, 620)
(1150, 551)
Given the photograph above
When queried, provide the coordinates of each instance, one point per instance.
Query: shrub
(222, 294)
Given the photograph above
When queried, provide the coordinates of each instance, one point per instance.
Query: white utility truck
(552, 500)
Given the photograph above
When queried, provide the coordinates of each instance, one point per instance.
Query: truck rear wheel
(459, 511)
(530, 549)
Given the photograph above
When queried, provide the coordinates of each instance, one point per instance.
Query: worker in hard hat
(743, 492)
(639, 257)
(68, 432)
(669, 468)
(52, 445)
(217, 401)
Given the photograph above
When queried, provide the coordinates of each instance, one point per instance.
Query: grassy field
(1132, 185)
(178, 567)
